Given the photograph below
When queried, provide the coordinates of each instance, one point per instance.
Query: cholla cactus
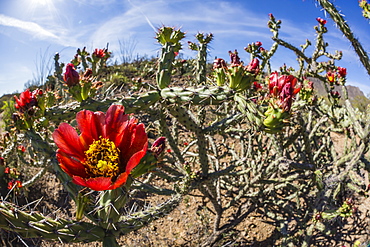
(170, 39)
(102, 155)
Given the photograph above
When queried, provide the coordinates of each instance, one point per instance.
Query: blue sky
(31, 31)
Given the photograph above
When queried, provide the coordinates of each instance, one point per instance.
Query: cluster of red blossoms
(334, 77)
(283, 88)
(27, 100)
(13, 174)
(100, 53)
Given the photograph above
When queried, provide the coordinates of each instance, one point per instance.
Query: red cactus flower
(27, 100)
(18, 183)
(283, 88)
(219, 63)
(257, 86)
(330, 76)
(342, 72)
(21, 148)
(321, 21)
(258, 43)
(235, 59)
(100, 53)
(109, 147)
(253, 66)
(71, 76)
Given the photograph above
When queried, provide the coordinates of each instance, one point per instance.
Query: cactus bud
(71, 76)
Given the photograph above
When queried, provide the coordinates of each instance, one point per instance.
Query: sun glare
(41, 2)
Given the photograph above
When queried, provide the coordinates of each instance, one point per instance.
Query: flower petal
(67, 140)
(98, 183)
(122, 178)
(139, 140)
(115, 122)
(135, 159)
(70, 165)
(91, 126)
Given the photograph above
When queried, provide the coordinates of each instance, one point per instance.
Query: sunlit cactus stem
(170, 40)
(58, 67)
(366, 8)
(83, 54)
(203, 40)
(346, 30)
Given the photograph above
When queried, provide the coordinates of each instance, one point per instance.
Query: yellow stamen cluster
(102, 159)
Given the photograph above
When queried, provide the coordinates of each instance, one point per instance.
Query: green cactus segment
(170, 40)
(170, 139)
(220, 126)
(202, 47)
(249, 109)
(34, 225)
(111, 204)
(139, 102)
(165, 66)
(138, 220)
(185, 118)
(197, 96)
(134, 103)
(276, 119)
(188, 120)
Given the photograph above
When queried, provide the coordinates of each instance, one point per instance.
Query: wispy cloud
(29, 27)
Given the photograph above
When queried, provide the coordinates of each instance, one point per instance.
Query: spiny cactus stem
(189, 121)
(165, 65)
(201, 63)
(153, 189)
(306, 140)
(223, 124)
(137, 220)
(317, 126)
(363, 133)
(33, 225)
(171, 141)
(344, 27)
(298, 52)
(35, 177)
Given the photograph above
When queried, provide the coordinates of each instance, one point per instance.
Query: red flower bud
(321, 21)
(258, 43)
(283, 88)
(71, 76)
(159, 145)
(19, 184)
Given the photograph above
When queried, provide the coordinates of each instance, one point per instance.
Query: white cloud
(29, 27)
